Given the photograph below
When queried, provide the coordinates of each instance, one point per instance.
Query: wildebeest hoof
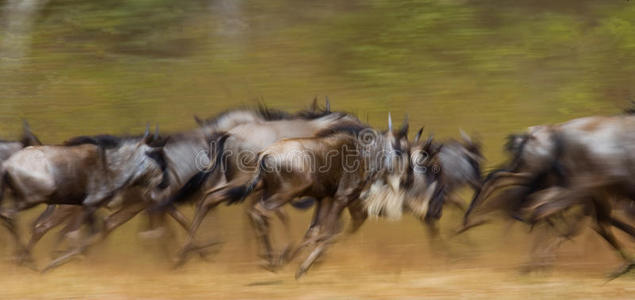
(300, 272)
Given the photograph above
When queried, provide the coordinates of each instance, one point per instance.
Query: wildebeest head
(153, 169)
(385, 194)
(461, 162)
(423, 175)
(396, 154)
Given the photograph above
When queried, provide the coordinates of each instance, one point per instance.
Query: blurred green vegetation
(490, 67)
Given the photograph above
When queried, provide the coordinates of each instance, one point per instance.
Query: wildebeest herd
(317, 158)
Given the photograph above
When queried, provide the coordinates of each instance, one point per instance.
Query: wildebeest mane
(266, 113)
(272, 114)
(349, 127)
(196, 182)
(103, 141)
(159, 158)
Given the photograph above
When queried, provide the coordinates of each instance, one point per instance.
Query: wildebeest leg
(179, 218)
(321, 210)
(623, 226)
(358, 215)
(603, 227)
(260, 215)
(22, 255)
(288, 250)
(52, 217)
(201, 211)
(42, 225)
(111, 222)
(343, 197)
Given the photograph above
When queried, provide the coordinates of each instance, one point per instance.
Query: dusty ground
(386, 260)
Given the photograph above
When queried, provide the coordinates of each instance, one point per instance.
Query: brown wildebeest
(338, 165)
(237, 156)
(86, 171)
(584, 162)
(435, 172)
(8, 148)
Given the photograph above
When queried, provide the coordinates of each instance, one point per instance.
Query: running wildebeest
(338, 164)
(8, 148)
(186, 156)
(86, 171)
(237, 150)
(587, 162)
(436, 172)
(182, 152)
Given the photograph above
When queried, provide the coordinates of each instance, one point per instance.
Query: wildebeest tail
(239, 193)
(4, 183)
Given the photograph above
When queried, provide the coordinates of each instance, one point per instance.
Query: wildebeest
(183, 153)
(186, 154)
(86, 171)
(436, 172)
(337, 164)
(235, 157)
(587, 162)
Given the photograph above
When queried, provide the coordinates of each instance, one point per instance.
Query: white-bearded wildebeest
(436, 171)
(337, 165)
(587, 162)
(86, 171)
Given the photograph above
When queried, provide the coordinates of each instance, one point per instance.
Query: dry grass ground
(386, 260)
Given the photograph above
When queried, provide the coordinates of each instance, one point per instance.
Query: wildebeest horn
(146, 135)
(389, 122)
(403, 131)
(328, 105)
(156, 132)
(25, 125)
(429, 141)
(418, 136)
(465, 137)
(198, 120)
(314, 105)
(28, 138)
